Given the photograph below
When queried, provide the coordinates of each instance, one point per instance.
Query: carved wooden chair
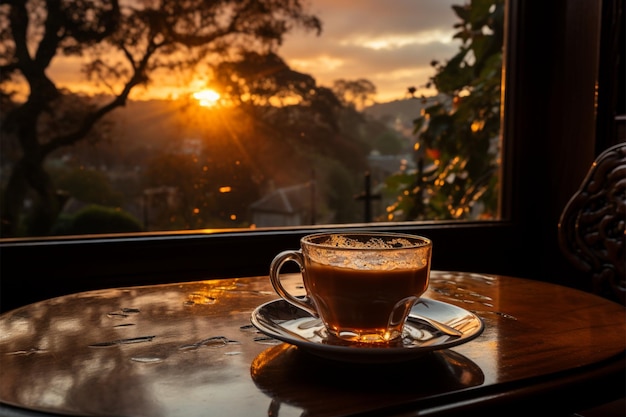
(592, 237)
(591, 228)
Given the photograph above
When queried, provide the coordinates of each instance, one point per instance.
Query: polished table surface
(188, 349)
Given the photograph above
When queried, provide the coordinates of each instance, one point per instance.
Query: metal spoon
(443, 328)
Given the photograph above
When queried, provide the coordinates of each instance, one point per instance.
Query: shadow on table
(325, 387)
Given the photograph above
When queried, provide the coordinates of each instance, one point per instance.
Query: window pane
(166, 116)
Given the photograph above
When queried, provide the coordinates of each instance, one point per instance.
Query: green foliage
(210, 189)
(86, 185)
(337, 187)
(95, 219)
(388, 143)
(457, 144)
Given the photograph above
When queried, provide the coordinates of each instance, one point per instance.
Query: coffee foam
(341, 241)
(339, 251)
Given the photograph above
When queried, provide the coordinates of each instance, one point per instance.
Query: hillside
(400, 114)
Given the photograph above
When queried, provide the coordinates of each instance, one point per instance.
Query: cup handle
(296, 256)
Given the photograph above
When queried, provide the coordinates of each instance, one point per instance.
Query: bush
(96, 219)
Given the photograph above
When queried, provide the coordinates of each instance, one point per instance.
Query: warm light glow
(477, 125)
(225, 189)
(207, 98)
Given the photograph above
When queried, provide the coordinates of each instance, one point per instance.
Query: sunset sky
(390, 43)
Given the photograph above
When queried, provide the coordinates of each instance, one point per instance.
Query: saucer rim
(362, 353)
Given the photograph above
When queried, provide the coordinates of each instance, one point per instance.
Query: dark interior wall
(554, 72)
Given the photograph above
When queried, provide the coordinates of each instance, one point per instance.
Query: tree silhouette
(355, 93)
(307, 119)
(125, 46)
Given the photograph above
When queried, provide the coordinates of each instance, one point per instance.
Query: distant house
(158, 205)
(382, 166)
(287, 206)
(191, 146)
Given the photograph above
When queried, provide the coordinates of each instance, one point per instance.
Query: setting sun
(207, 98)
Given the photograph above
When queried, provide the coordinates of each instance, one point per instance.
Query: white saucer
(283, 321)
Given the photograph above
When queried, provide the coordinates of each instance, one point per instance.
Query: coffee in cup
(361, 285)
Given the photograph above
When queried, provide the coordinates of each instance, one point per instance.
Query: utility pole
(313, 211)
(366, 196)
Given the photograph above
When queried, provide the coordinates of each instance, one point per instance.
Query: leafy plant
(457, 146)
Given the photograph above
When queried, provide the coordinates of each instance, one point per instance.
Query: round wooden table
(188, 349)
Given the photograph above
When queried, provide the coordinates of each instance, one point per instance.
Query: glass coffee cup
(361, 285)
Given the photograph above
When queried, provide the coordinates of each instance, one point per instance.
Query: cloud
(391, 42)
